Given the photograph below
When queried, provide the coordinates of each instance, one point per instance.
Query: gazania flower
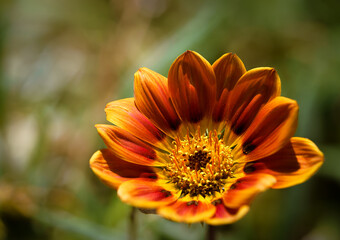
(199, 145)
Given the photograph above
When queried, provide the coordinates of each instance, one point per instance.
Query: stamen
(200, 164)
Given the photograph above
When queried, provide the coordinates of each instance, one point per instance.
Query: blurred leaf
(331, 167)
(82, 227)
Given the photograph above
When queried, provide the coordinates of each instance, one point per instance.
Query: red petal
(192, 86)
(293, 164)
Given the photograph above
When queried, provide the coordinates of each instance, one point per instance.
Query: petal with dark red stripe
(272, 128)
(124, 114)
(254, 89)
(153, 100)
(188, 210)
(228, 70)
(143, 193)
(192, 86)
(226, 215)
(127, 146)
(243, 191)
(293, 164)
(114, 171)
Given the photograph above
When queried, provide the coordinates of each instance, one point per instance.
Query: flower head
(199, 145)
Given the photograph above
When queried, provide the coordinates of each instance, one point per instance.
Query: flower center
(200, 164)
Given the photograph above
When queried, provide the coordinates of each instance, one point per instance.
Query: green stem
(211, 233)
(132, 234)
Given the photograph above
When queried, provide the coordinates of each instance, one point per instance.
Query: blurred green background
(61, 61)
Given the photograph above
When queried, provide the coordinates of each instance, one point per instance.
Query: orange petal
(153, 100)
(272, 128)
(192, 86)
(244, 116)
(188, 210)
(255, 88)
(293, 164)
(225, 215)
(145, 193)
(220, 107)
(124, 114)
(243, 191)
(114, 171)
(228, 70)
(126, 146)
